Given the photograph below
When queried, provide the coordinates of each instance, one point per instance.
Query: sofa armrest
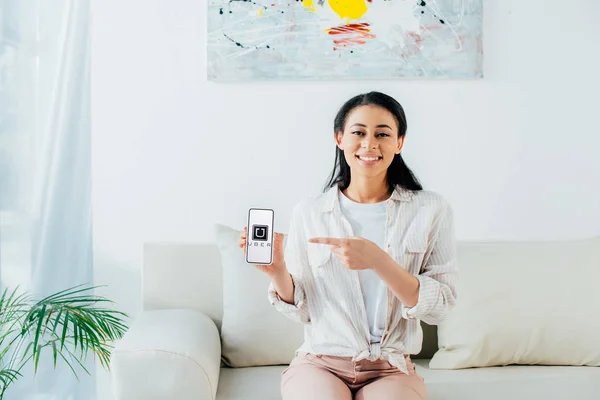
(167, 354)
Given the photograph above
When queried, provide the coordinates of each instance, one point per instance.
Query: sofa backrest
(183, 275)
(190, 276)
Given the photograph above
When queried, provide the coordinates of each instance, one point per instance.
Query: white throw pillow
(524, 303)
(253, 333)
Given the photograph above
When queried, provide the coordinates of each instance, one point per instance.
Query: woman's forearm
(282, 281)
(401, 282)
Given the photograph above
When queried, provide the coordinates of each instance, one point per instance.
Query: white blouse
(419, 236)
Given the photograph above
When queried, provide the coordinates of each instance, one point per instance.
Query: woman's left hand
(354, 253)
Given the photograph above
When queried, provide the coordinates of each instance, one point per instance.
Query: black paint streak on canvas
(241, 45)
(424, 4)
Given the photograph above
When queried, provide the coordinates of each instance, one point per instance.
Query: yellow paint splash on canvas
(348, 9)
(309, 4)
(345, 9)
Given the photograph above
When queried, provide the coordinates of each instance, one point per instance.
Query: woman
(364, 263)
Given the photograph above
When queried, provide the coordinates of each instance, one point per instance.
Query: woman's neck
(367, 191)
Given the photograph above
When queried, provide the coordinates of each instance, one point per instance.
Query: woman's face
(369, 140)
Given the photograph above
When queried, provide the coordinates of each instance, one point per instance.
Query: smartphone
(259, 242)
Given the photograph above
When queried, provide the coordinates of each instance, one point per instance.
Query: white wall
(515, 153)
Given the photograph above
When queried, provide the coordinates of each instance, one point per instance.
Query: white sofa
(173, 349)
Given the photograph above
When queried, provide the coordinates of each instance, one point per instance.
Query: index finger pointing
(325, 240)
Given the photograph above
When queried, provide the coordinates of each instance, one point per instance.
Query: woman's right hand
(278, 266)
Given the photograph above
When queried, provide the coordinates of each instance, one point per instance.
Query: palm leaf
(72, 323)
(64, 331)
(69, 364)
(54, 352)
(7, 376)
(36, 357)
(38, 332)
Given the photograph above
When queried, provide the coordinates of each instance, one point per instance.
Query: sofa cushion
(256, 383)
(524, 303)
(515, 382)
(496, 383)
(253, 333)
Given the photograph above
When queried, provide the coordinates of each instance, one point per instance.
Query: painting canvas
(344, 39)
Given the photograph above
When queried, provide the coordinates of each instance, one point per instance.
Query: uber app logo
(260, 232)
(260, 235)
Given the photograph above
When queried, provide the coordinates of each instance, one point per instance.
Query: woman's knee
(395, 387)
(303, 381)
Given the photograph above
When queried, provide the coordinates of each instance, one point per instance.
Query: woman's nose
(369, 143)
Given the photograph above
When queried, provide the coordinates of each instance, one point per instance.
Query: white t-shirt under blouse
(368, 221)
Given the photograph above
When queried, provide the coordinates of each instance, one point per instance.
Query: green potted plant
(69, 325)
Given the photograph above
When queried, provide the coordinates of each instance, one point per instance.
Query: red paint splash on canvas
(351, 34)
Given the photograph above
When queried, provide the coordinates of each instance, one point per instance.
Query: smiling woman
(369, 131)
(365, 262)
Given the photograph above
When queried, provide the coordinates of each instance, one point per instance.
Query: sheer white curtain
(45, 177)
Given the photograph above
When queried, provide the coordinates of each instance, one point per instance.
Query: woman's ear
(400, 144)
(338, 139)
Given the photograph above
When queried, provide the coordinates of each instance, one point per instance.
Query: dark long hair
(398, 173)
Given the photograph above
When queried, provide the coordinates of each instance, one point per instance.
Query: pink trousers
(321, 377)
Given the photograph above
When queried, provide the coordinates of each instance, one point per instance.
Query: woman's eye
(362, 133)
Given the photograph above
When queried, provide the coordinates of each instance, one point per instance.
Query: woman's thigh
(303, 380)
(394, 387)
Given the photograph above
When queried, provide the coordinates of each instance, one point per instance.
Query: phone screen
(259, 241)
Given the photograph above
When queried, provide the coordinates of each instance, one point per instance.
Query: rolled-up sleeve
(296, 260)
(439, 275)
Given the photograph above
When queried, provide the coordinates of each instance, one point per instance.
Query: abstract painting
(344, 39)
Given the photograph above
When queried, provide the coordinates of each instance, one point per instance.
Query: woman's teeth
(369, 158)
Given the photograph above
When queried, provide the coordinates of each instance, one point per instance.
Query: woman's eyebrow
(378, 126)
